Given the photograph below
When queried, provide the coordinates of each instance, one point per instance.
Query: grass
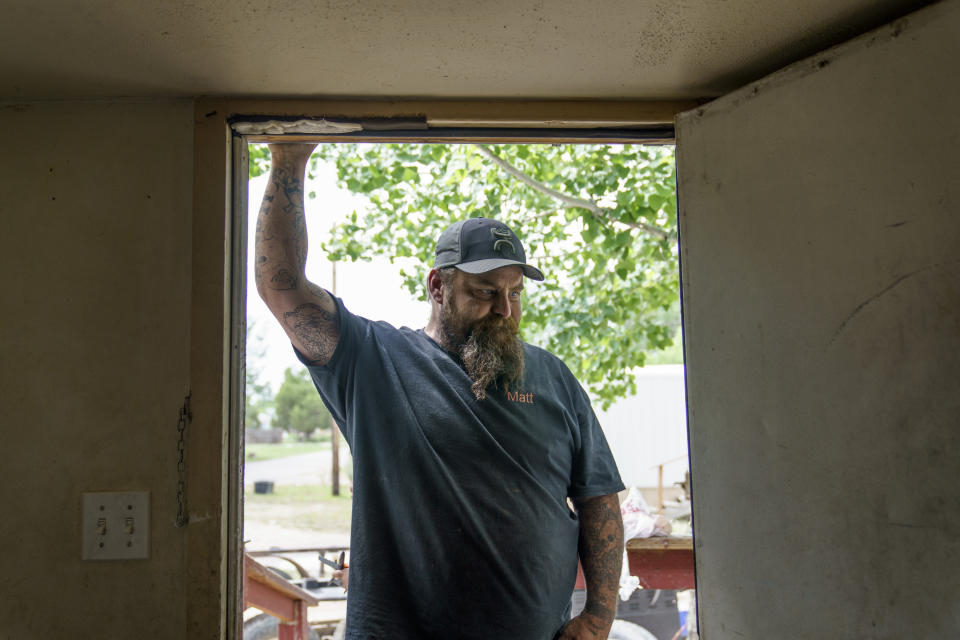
(265, 451)
(305, 507)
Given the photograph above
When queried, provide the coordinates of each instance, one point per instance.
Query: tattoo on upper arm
(320, 292)
(283, 280)
(258, 267)
(315, 329)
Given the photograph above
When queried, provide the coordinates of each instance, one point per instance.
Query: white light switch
(116, 525)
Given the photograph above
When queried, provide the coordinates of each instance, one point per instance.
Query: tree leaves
(610, 259)
(298, 407)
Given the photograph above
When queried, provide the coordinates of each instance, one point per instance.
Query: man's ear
(435, 286)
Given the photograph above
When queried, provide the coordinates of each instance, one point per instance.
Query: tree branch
(545, 214)
(571, 201)
(649, 228)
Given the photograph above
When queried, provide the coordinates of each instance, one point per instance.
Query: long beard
(491, 350)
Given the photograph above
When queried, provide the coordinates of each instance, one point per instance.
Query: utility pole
(334, 431)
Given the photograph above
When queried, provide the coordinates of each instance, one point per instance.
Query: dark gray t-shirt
(461, 527)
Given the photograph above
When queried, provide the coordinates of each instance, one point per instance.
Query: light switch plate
(116, 525)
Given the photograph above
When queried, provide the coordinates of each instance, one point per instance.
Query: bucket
(263, 486)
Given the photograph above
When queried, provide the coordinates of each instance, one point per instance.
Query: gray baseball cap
(478, 245)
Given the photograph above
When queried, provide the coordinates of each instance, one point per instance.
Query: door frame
(218, 297)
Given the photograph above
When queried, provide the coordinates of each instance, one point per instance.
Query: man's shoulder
(533, 351)
(378, 327)
(367, 336)
(402, 338)
(538, 357)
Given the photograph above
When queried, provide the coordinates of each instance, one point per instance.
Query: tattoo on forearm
(593, 626)
(292, 188)
(315, 329)
(281, 232)
(601, 553)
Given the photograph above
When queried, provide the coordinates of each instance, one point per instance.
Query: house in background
(648, 430)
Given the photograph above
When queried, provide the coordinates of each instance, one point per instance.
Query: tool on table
(339, 565)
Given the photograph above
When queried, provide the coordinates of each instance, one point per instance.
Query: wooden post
(660, 488)
(335, 448)
(334, 431)
(299, 628)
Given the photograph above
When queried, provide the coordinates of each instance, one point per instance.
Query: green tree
(298, 407)
(599, 220)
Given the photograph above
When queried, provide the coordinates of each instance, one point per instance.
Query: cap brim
(483, 266)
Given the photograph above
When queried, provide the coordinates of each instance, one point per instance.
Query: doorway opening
(600, 219)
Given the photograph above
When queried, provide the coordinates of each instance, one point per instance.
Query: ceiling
(616, 49)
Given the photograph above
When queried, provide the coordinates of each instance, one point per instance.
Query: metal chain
(182, 423)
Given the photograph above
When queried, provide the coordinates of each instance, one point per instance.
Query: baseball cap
(478, 245)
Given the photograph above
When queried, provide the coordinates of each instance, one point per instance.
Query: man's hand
(343, 575)
(586, 627)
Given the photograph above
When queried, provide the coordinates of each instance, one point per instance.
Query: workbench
(662, 562)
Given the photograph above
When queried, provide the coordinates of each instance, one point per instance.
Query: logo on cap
(502, 240)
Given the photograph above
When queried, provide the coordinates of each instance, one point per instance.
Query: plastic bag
(628, 583)
(638, 522)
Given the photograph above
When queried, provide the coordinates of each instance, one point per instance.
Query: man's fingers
(584, 628)
(296, 151)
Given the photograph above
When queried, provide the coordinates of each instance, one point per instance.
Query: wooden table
(272, 594)
(662, 562)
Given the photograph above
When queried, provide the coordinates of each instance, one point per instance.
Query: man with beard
(466, 442)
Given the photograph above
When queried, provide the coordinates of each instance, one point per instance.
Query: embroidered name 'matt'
(520, 396)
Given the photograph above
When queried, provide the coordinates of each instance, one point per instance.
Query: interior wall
(96, 255)
(820, 227)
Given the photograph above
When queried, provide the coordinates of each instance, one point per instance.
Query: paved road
(307, 468)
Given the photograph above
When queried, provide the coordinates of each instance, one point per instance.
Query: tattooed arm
(601, 554)
(306, 312)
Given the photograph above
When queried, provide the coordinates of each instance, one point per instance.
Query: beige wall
(96, 257)
(820, 235)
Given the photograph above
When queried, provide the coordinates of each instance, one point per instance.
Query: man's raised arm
(306, 312)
